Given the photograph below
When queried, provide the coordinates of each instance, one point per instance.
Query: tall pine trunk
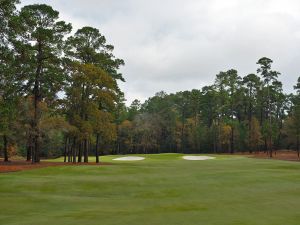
(66, 150)
(97, 149)
(29, 149)
(74, 150)
(232, 141)
(250, 124)
(250, 137)
(36, 145)
(117, 140)
(86, 151)
(37, 100)
(28, 153)
(69, 151)
(5, 148)
(80, 152)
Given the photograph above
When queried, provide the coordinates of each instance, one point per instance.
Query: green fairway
(161, 190)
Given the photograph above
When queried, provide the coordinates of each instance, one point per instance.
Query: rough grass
(162, 190)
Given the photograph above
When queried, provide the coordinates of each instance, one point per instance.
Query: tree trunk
(29, 149)
(97, 149)
(250, 132)
(261, 116)
(5, 148)
(28, 153)
(270, 131)
(37, 100)
(117, 140)
(232, 141)
(214, 139)
(265, 145)
(215, 145)
(250, 121)
(69, 150)
(37, 149)
(80, 152)
(182, 132)
(74, 150)
(270, 147)
(85, 151)
(65, 150)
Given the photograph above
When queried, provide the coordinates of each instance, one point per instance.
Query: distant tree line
(59, 96)
(235, 114)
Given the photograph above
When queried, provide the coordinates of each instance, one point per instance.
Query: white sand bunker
(130, 158)
(197, 158)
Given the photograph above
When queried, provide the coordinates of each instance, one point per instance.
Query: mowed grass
(162, 190)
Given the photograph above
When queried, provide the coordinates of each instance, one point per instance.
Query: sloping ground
(20, 165)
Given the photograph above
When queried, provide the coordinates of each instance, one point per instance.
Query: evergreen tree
(40, 37)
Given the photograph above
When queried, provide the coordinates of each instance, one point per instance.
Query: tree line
(59, 96)
(235, 114)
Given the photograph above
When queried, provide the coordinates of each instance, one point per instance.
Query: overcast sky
(176, 45)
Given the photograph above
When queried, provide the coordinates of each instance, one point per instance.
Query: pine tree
(40, 38)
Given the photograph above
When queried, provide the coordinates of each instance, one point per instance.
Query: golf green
(160, 190)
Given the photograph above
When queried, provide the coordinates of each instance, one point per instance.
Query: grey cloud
(175, 45)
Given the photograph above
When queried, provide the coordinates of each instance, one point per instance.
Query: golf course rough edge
(198, 158)
(129, 158)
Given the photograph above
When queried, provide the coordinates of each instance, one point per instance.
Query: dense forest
(59, 96)
(235, 114)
